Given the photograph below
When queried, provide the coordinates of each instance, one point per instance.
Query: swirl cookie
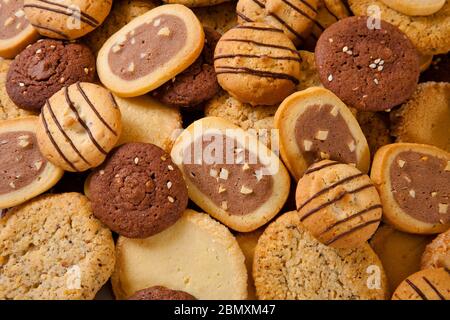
(413, 182)
(15, 32)
(45, 67)
(381, 65)
(221, 17)
(313, 125)
(291, 264)
(78, 126)
(437, 253)
(160, 293)
(428, 34)
(425, 118)
(138, 191)
(428, 284)
(230, 174)
(257, 64)
(25, 172)
(181, 258)
(415, 7)
(66, 19)
(150, 50)
(53, 248)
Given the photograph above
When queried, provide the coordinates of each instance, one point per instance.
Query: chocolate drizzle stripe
(329, 188)
(416, 289)
(338, 198)
(260, 28)
(83, 124)
(311, 170)
(356, 228)
(261, 44)
(257, 73)
(297, 9)
(67, 7)
(306, 3)
(86, 98)
(55, 145)
(55, 120)
(358, 214)
(434, 288)
(243, 17)
(330, 12)
(114, 100)
(227, 56)
(82, 19)
(287, 26)
(62, 34)
(260, 4)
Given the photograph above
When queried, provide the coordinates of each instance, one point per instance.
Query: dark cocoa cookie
(197, 83)
(44, 68)
(369, 69)
(439, 70)
(161, 293)
(138, 191)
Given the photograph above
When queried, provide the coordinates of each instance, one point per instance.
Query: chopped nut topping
(122, 39)
(157, 22)
(245, 166)
(222, 189)
(164, 32)
(21, 84)
(322, 135)
(8, 21)
(258, 175)
(143, 55)
(38, 51)
(424, 158)
(213, 173)
(102, 172)
(376, 81)
(324, 155)
(224, 205)
(86, 70)
(38, 165)
(443, 207)
(131, 67)
(223, 174)
(408, 179)
(412, 193)
(171, 200)
(307, 144)
(334, 112)
(12, 185)
(169, 184)
(116, 48)
(136, 160)
(434, 194)
(245, 190)
(62, 80)
(401, 163)
(352, 146)
(170, 167)
(330, 40)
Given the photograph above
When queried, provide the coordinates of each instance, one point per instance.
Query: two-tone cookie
(428, 284)
(160, 293)
(437, 253)
(231, 174)
(138, 191)
(15, 32)
(78, 126)
(25, 172)
(314, 125)
(413, 182)
(415, 7)
(150, 50)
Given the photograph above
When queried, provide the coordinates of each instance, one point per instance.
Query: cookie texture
(44, 68)
(309, 77)
(290, 264)
(415, 7)
(428, 284)
(138, 191)
(381, 65)
(425, 118)
(221, 17)
(53, 248)
(376, 129)
(437, 253)
(160, 293)
(78, 126)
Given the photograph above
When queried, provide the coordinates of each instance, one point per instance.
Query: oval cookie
(429, 284)
(416, 7)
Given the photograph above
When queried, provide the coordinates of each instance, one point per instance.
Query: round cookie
(198, 83)
(313, 125)
(66, 19)
(78, 126)
(338, 204)
(145, 119)
(231, 174)
(425, 118)
(221, 17)
(45, 67)
(381, 65)
(53, 248)
(438, 71)
(437, 253)
(428, 34)
(415, 7)
(150, 50)
(257, 64)
(160, 293)
(309, 77)
(428, 284)
(291, 264)
(138, 191)
(413, 183)
(197, 255)
(15, 32)
(196, 3)
(25, 172)
(376, 129)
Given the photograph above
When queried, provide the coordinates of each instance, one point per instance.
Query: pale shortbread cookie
(416, 7)
(197, 255)
(54, 248)
(437, 253)
(428, 284)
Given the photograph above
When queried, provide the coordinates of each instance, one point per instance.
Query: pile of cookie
(208, 149)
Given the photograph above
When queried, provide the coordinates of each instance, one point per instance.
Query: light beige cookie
(66, 19)
(197, 255)
(150, 50)
(25, 172)
(309, 77)
(425, 117)
(78, 126)
(314, 124)
(144, 119)
(428, 284)
(221, 17)
(437, 253)
(196, 3)
(230, 174)
(53, 248)
(415, 7)
(15, 32)
(290, 264)
(413, 183)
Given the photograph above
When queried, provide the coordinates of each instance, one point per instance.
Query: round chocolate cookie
(368, 68)
(161, 293)
(196, 84)
(138, 191)
(44, 68)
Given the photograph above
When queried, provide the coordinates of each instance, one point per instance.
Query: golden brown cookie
(375, 126)
(309, 77)
(428, 284)
(415, 7)
(437, 253)
(221, 17)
